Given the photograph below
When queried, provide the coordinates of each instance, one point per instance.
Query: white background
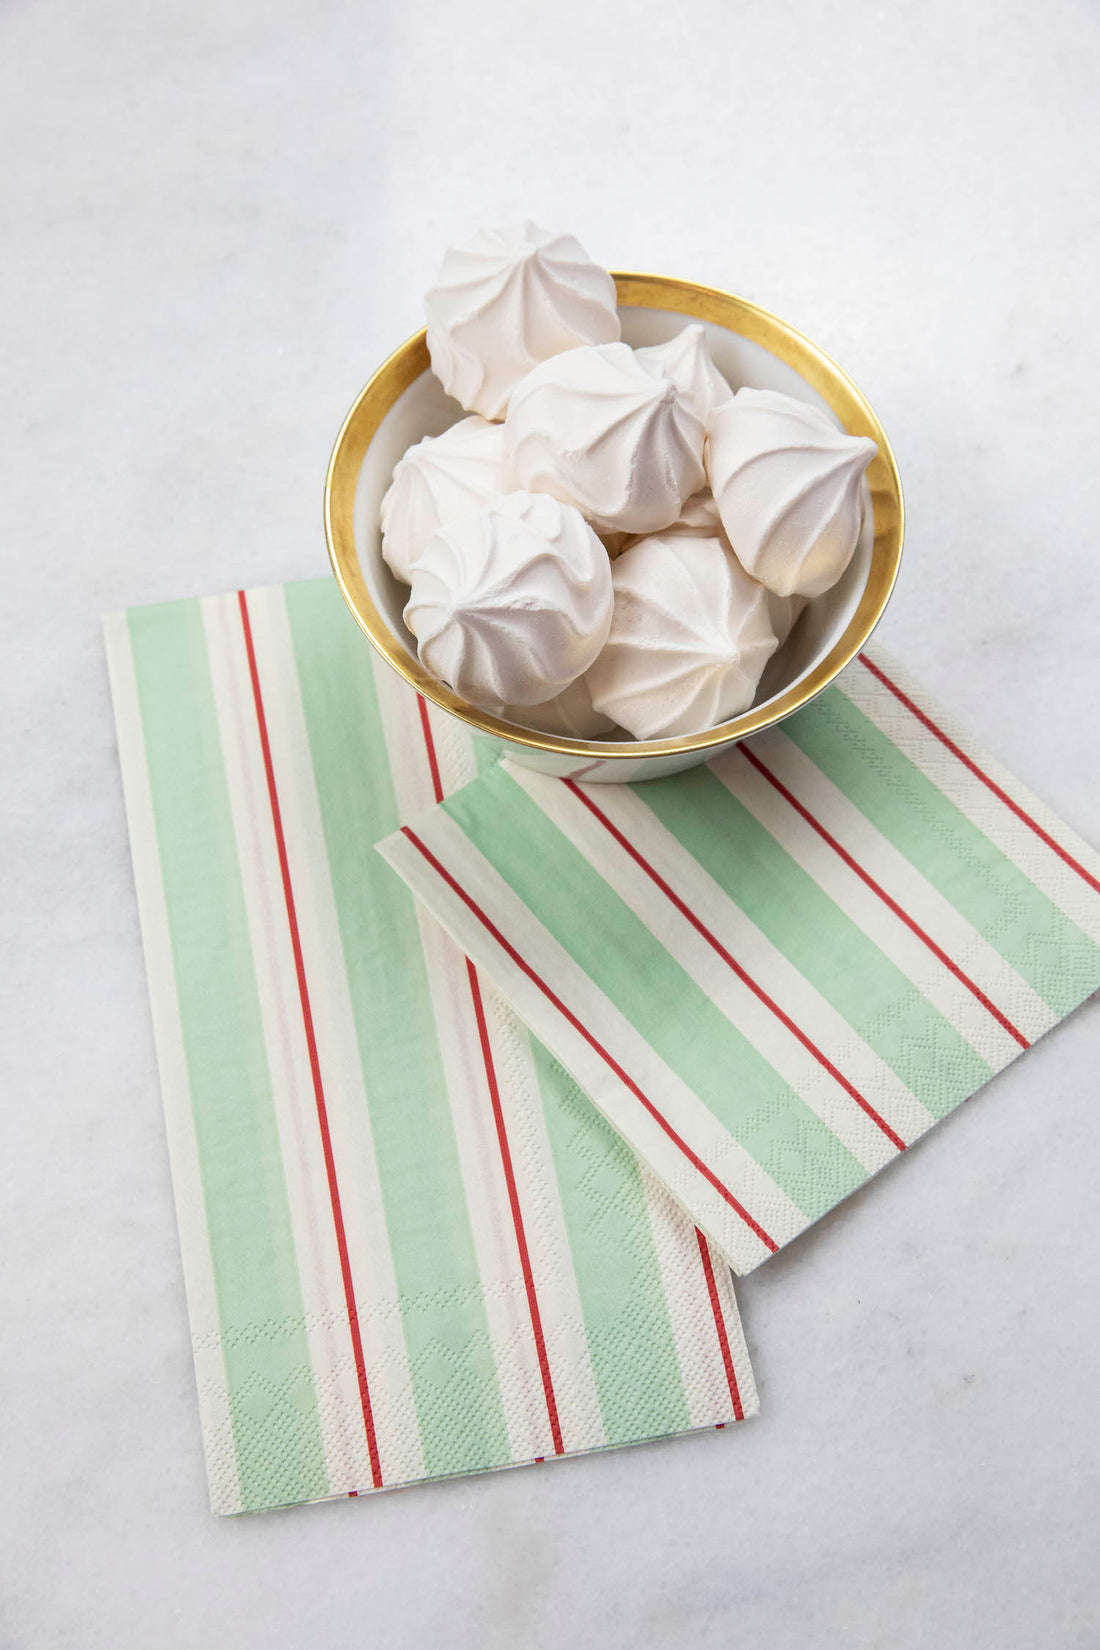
(217, 218)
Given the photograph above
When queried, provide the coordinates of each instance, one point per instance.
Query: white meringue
(699, 516)
(785, 612)
(512, 604)
(787, 483)
(685, 359)
(570, 712)
(700, 519)
(506, 300)
(689, 638)
(593, 428)
(440, 479)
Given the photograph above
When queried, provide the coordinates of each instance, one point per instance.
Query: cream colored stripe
(698, 1351)
(288, 1060)
(518, 1378)
(390, 1387)
(202, 1302)
(514, 1348)
(766, 964)
(958, 939)
(547, 1235)
(1050, 874)
(735, 1332)
(544, 1224)
(726, 1159)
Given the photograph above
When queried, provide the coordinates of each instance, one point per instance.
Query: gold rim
(634, 292)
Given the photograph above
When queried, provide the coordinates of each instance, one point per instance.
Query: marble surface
(217, 220)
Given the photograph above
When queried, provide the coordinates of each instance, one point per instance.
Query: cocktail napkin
(412, 1247)
(774, 973)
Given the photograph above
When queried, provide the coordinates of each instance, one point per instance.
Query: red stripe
(517, 1215)
(502, 1138)
(741, 973)
(990, 784)
(720, 1325)
(582, 1031)
(887, 899)
(429, 744)
(311, 1044)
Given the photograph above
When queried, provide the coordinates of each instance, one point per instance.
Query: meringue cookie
(699, 516)
(787, 483)
(785, 612)
(689, 638)
(699, 519)
(440, 479)
(512, 604)
(685, 359)
(570, 712)
(506, 300)
(594, 429)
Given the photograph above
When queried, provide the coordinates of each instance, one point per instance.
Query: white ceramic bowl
(405, 401)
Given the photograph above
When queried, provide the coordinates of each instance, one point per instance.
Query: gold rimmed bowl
(405, 401)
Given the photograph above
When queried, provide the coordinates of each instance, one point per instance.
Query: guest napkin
(774, 973)
(411, 1245)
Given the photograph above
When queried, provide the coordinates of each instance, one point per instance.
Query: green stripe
(814, 934)
(982, 883)
(267, 1365)
(630, 1339)
(657, 996)
(442, 1310)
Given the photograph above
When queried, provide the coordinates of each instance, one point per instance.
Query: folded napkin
(774, 973)
(411, 1246)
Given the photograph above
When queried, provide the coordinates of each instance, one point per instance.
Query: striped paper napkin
(774, 973)
(411, 1245)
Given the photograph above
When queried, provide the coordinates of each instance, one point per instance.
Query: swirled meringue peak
(512, 604)
(569, 712)
(593, 428)
(506, 300)
(685, 359)
(689, 638)
(698, 517)
(787, 482)
(440, 479)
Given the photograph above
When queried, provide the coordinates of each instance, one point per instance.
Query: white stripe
(549, 1249)
(1051, 875)
(684, 1111)
(514, 1348)
(690, 1315)
(385, 1355)
(894, 873)
(284, 1039)
(202, 1302)
(518, 1379)
(766, 964)
(735, 1332)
